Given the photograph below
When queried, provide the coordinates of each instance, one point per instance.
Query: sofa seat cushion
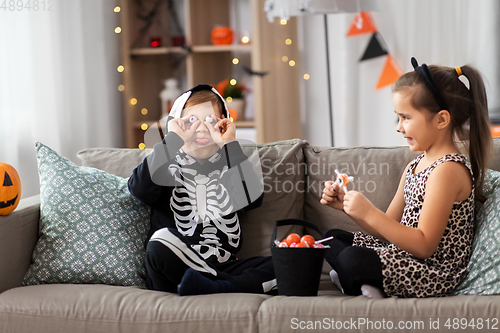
(103, 308)
(361, 314)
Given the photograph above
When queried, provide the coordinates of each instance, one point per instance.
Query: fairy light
(144, 126)
(120, 68)
(307, 76)
(288, 41)
(144, 111)
(283, 22)
(121, 87)
(284, 58)
(118, 30)
(142, 145)
(236, 61)
(117, 9)
(229, 99)
(291, 63)
(133, 101)
(245, 40)
(233, 82)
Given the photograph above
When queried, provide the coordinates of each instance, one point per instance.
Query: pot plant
(234, 94)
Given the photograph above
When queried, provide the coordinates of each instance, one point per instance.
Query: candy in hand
(343, 180)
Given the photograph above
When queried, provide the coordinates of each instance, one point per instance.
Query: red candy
(309, 240)
(292, 238)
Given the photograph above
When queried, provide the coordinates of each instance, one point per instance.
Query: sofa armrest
(18, 236)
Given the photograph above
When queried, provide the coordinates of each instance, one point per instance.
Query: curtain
(446, 32)
(58, 81)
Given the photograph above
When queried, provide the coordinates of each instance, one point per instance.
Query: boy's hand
(222, 132)
(183, 127)
(333, 195)
(357, 206)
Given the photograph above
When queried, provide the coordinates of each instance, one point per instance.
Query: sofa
(293, 172)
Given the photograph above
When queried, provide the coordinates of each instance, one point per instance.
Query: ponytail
(480, 141)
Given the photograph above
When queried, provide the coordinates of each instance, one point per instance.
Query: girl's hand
(357, 206)
(183, 127)
(333, 195)
(222, 132)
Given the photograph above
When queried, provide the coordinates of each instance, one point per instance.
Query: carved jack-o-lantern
(10, 189)
(221, 36)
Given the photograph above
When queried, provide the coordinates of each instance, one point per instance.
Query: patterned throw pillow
(91, 228)
(483, 272)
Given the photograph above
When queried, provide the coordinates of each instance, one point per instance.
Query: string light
(117, 9)
(233, 82)
(118, 30)
(144, 126)
(133, 101)
(284, 58)
(144, 111)
(142, 145)
(291, 63)
(120, 68)
(121, 87)
(307, 76)
(283, 22)
(245, 40)
(236, 61)
(288, 41)
(229, 99)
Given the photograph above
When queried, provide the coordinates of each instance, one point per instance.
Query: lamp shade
(284, 9)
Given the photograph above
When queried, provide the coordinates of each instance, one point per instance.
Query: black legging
(355, 265)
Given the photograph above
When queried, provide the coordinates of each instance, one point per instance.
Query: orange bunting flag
(390, 73)
(362, 24)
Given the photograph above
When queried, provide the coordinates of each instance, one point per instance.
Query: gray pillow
(483, 271)
(92, 230)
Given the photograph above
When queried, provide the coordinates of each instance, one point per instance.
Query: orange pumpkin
(10, 189)
(221, 36)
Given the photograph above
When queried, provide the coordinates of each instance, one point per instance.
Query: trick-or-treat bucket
(298, 270)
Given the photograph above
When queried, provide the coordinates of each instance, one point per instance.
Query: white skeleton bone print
(203, 199)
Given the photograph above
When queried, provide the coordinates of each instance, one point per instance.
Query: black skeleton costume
(194, 222)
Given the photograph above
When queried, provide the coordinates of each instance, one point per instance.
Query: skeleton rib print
(203, 200)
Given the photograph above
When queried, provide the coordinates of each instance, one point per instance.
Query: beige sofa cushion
(117, 161)
(376, 173)
(283, 169)
(99, 308)
(361, 314)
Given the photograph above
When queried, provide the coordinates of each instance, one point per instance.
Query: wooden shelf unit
(275, 96)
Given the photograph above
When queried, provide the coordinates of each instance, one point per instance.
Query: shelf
(158, 50)
(198, 49)
(221, 48)
(274, 96)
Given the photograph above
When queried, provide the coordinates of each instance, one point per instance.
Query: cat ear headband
(426, 75)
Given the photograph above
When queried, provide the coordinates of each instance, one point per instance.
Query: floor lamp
(287, 8)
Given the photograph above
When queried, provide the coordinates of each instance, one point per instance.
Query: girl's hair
(468, 110)
(203, 96)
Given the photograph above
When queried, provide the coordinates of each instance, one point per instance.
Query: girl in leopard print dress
(421, 245)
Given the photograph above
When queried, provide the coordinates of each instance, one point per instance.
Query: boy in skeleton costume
(196, 180)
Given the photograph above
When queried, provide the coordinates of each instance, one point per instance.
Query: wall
(448, 32)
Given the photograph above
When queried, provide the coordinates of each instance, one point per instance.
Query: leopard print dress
(404, 275)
